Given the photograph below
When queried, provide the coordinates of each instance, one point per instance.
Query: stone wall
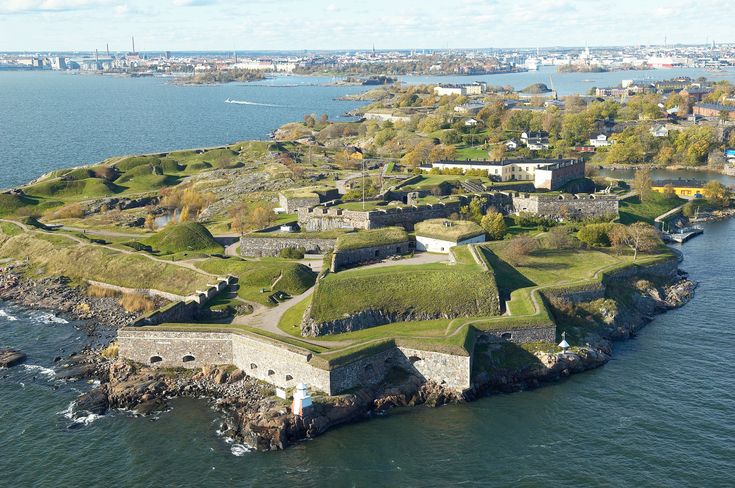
(175, 348)
(270, 246)
(345, 258)
(282, 365)
(277, 364)
(566, 206)
(449, 370)
(290, 204)
(324, 218)
(520, 335)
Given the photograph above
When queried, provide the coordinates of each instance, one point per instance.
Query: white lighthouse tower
(564, 344)
(301, 399)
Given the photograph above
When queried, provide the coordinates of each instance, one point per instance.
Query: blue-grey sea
(660, 414)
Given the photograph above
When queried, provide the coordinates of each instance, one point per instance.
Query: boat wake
(245, 102)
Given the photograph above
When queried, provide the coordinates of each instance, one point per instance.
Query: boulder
(94, 401)
(11, 357)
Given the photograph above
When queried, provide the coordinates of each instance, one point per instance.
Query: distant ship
(532, 64)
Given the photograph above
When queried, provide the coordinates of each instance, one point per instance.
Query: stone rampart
(174, 349)
(345, 258)
(519, 335)
(449, 370)
(330, 218)
(566, 206)
(271, 246)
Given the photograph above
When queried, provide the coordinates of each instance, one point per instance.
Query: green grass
(10, 229)
(70, 190)
(11, 204)
(185, 237)
(633, 210)
(431, 290)
(369, 238)
(468, 152)
(55, 255)
(293, 278)
(458, 230)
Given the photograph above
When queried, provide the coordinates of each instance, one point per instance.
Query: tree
(184, 215)
(595, 235)
(642, 183)
(724, 115)
(716, 193)
(497, 153)
(309, 121)
(494, 224)
(669, 191)
(150, 222)
(519, 248)
(665, 156)
(261, 216)
(560, 238)
(640, 237)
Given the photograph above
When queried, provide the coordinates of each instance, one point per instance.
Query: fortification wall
(519, 335)
(448, 369)
(351, 257)
(290, 204)
(365, 371)
(277, 364)
(175, 348)
(566, 206)
(323, 218)
(271, 246)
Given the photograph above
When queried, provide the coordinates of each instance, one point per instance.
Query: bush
(100, 292)
(597, 235)
(138, 246)
(292, 253)
(133, 302)
(527, 219)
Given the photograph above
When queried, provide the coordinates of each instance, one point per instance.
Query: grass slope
(188, 236)
(633, 210)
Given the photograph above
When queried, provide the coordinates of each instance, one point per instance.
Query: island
(345, 268)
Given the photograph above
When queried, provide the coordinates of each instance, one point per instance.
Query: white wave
(245, 102)
(49, 318)
(47, 372)
(5, 315)
(79, 419)
(239, 450)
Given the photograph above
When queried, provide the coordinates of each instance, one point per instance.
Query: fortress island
(319, 277)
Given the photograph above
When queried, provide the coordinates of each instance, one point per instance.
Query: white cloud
(31, 6)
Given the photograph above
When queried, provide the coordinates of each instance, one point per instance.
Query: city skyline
(223, 25)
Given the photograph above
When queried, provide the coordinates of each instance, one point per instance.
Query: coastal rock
(11, 357)
(94, 401)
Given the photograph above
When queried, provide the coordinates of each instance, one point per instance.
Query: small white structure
(287, 228)
(659, 130)
(439, 235)
(301, 399)
(599, 141)
(564, 344)
(281, 393)
(511, 145)
(470, 123)
(279, 210)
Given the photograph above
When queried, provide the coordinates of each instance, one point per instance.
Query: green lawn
(633, 210)
(269, 274)
(469, 152)
(436, 290)
(370, 238)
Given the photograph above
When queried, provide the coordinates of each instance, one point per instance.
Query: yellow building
(688, 189)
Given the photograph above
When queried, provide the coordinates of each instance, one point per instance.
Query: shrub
(560, 238)
(520, 247)
(596, 234)
(527, 219)
(100, 292)
(111, 351)
(134, 302)
(71, 211)
(138, 246)
(292, 253)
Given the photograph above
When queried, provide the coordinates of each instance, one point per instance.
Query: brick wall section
(270, 246)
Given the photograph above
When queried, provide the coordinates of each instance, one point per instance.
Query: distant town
(384, 62)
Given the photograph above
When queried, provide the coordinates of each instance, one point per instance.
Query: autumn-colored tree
(560, 238)
(261, 216)
(669, 191)
(716, 193)
(184, 214)
(494, 224)
(642, 183)
(497, 153)
(639, 237)
(150, 222)
(519, 248)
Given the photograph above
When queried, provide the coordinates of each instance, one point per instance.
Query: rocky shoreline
(253, 415)
(98, 318)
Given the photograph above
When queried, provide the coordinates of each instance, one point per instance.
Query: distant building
(659, 130)
(469, 108)
(600, 141)
(690, 189)
(535, 141)
(462, 90)
(511, 145)
(547, 174)
(714, 110)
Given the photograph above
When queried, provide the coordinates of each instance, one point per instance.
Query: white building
(600, 141)
(440, 235)
(659, 130)
(462, 90)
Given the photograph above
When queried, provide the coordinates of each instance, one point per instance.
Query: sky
(183, 25)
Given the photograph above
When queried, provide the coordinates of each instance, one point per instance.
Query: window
(156, 359)
(188, 358)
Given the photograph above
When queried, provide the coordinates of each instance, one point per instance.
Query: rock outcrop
(11, 357)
